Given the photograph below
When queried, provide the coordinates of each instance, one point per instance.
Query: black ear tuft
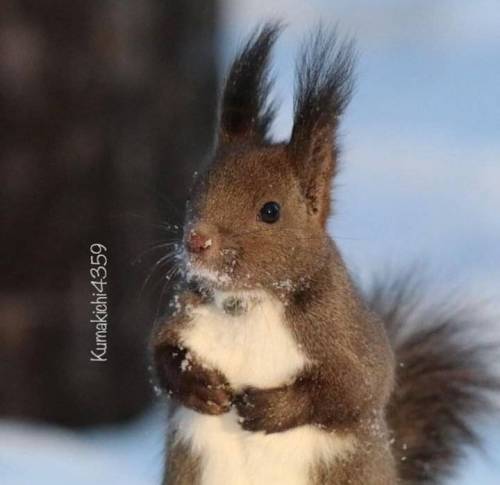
(324, 85)
(246, 110)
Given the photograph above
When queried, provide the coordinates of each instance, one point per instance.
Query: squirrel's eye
(270, 212)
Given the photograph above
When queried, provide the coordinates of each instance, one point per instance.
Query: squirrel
(279, 370)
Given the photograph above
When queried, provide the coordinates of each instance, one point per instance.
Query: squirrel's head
(257, 216)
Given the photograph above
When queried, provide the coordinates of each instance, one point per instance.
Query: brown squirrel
(280, 372)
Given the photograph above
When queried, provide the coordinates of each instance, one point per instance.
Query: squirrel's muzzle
(198, 242)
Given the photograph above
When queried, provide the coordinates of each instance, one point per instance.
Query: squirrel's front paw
(269, 410)
(195, 386)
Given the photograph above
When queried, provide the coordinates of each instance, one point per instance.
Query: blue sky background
(420, 182)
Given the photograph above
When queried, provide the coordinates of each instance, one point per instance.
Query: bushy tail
(444, 380)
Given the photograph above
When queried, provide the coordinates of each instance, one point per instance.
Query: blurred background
(107, 108)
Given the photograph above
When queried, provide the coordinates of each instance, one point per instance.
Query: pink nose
(198, 242)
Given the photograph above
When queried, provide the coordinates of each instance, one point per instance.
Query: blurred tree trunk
(106, 108)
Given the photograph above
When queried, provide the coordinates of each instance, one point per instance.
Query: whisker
(163, 260)
(176, 228)
(158, 245)
(169, 279)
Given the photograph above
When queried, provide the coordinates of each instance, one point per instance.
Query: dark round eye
(270, 212)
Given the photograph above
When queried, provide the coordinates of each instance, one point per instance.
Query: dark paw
(195, 386)
(265, 410)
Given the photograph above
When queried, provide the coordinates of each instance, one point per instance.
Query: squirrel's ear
(324, 84)
(245, 110)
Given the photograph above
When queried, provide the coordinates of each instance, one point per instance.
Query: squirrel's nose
(197, 242)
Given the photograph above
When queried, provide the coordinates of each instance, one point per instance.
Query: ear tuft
(324, 85)
(246, 110)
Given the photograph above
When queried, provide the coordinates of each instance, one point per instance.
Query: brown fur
(183, 466)
(370, 464)
(348, 387)
(345, 391)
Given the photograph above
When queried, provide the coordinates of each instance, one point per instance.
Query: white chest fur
(256, 349)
